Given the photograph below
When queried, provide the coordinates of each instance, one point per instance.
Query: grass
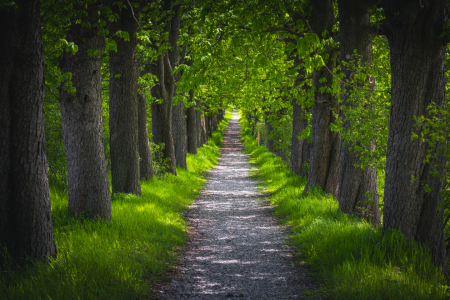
(119, 259)
(354, 260)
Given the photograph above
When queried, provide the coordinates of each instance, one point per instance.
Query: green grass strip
(354, 260)
(121, 258)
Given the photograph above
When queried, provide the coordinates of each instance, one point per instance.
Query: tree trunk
(123, 107)
(192, 134)
(299, 147)
(179, 132)
(162, 113)
(198, 119)
(156, 118)
(269, 141)
(418, 79)
(203, 133)
(325, 144)
(355, 182)
(208, 126)
(25, 214)
(214, 122)
(81, 119)
(145, 162)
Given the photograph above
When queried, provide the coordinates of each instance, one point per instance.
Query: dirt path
(237, 248)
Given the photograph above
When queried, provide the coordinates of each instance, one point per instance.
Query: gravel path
(237, 248)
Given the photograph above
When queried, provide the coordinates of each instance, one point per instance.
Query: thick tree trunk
(191, 124)
(25, 214)
(418, 79)
(355, 182)
(123, 107)
(325, 144)
(145, 161)
(81, 119)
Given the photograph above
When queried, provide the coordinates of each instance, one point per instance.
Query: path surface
(237, 248)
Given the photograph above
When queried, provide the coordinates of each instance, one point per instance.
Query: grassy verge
(355, 260)
(121, 258)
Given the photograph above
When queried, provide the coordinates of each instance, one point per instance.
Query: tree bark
(354, 182)
(191, 117)
(325, 144)
(203, 136)
(198, 115)
(299, 147)
(145, 161)
(208, 126)
(123, 106)
(269, 141)
(213, 122)
(81, 119)
(162, 113)
(418, 79)
(156, 122)
(179, 132)
(25, 213)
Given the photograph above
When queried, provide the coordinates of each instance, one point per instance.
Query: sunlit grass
(121, 258)
(355, 260)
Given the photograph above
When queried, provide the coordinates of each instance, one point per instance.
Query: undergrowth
(118, 259)
(355, 260)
